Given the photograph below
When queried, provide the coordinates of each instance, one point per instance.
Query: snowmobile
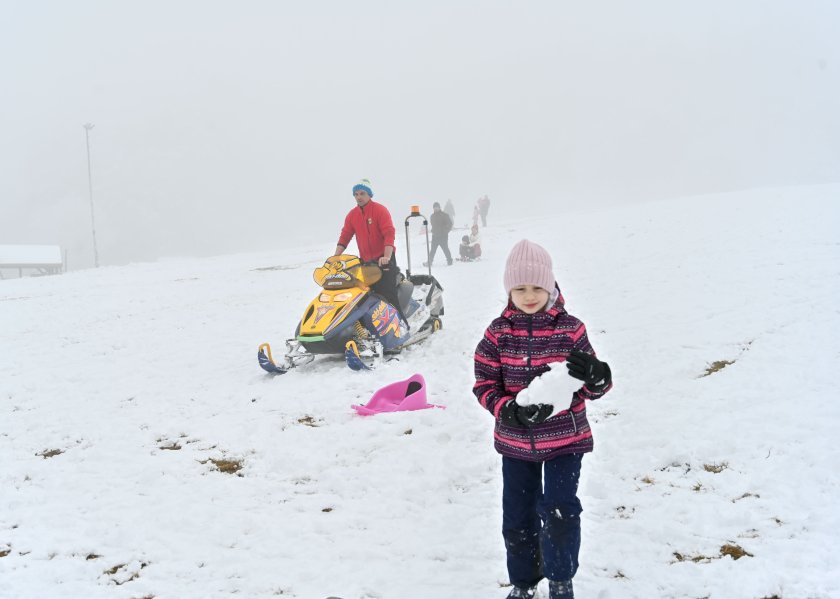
(347, 318)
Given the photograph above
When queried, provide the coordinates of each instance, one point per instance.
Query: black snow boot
(560, 589)
(522, 593)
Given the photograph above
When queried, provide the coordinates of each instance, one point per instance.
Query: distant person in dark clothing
(483, 209)
(441, 226)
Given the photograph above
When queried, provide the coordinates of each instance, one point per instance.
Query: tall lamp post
(88, 127)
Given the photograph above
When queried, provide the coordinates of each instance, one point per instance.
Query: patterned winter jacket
(517, 348)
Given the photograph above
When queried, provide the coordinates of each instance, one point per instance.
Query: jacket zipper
(528, 364)
(367, 229)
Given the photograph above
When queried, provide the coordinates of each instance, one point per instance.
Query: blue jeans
(541, 518)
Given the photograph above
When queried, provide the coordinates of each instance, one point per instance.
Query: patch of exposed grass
(716, 468)
(91, 556)
(745, 496)
(691, 558)
(734, 551)
(50, 453)
(697, 487)
(717, 366)
(134, 576)
(647, 480)
(171, 447)
(624, 512)
(114, 570)
(308, 421)
(5, 552)
(686, 467)
(228, 466)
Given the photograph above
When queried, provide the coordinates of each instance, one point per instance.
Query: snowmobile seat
(404, 291)
(425, 280)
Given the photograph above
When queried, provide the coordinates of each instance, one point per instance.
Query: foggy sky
(232, 126)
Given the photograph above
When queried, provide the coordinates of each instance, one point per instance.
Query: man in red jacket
(371, 224)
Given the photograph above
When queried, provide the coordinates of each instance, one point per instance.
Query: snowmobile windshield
(345, 271)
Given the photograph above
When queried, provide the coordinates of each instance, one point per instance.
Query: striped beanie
(529, 264)
(363, 185)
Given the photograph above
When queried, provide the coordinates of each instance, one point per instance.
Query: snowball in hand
(554, 387)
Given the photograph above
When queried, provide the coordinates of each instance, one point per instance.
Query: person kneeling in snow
(471, 245)
(542, 441)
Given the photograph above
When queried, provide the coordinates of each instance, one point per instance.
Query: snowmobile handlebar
(415, 213)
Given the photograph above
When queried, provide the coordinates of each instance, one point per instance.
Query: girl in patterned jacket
(541, 446)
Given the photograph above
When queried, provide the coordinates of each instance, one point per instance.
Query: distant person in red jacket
(371, 224)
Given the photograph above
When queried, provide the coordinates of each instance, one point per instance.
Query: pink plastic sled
(406, 395)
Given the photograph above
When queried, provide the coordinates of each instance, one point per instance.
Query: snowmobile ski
(267, 362)
(353, 358)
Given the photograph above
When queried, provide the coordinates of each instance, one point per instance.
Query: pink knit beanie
(528, 264)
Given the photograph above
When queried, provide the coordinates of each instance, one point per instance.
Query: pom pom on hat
(363, 185)
(529, 264)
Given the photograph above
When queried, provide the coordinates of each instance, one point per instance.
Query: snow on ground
(119, 385)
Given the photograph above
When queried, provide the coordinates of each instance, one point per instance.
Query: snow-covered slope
(119, 385)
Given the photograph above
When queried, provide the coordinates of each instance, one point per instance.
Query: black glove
(588, 368)
(512, 414)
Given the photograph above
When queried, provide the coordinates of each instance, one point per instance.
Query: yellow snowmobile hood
(345, 281)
